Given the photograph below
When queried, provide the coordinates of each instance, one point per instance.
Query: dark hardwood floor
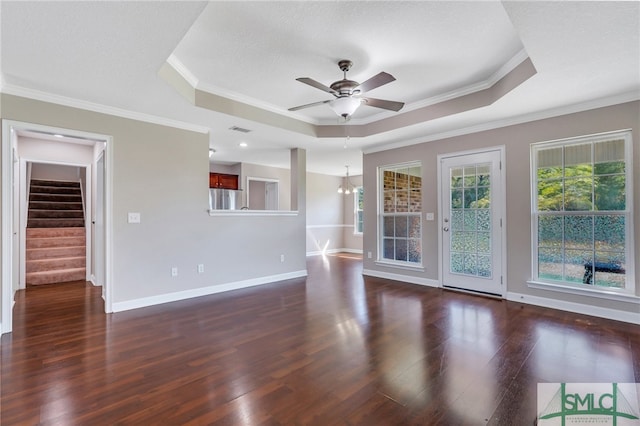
(333, 349)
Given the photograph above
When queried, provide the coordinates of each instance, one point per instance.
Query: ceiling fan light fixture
(344, 106)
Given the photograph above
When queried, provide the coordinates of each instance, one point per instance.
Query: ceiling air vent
(239, 129)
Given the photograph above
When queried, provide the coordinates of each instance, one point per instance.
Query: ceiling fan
(348, 93)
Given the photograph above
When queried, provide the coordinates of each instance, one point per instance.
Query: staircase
(55, 233)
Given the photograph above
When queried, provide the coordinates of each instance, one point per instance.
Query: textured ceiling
(108, 55)
(255, 51)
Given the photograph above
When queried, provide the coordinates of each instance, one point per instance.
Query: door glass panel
(457, 263)
(470, 213)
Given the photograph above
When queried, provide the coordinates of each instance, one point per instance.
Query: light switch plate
(429, 216)
(133, 217)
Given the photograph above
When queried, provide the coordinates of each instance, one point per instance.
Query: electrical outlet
(282, 258)
(133, 217)
(174, 271)
(429, 216)
(368, 255)
(200, 268)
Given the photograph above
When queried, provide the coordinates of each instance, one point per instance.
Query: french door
(472, 200)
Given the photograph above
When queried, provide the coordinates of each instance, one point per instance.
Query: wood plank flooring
(332, 349)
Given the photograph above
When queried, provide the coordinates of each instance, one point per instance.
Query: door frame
(501, 209)
(9, 252)
(266, 181)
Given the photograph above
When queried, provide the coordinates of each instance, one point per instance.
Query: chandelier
(348, 188)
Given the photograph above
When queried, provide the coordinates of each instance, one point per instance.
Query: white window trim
(609, 294)
(355, 211)
(628, 293)
(380, 260)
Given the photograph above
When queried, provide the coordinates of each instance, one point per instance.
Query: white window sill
(405, 266)
(591, 292)
(238, 213)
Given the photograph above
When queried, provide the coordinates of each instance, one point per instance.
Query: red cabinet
(222, 180)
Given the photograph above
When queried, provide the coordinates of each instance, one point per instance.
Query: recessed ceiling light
(243, 145)
(58, 136)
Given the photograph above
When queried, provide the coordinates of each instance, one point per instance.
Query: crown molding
(197, 84)
(103, 109)
(181, 69)
(520, 119)
(505, 69)
(218, 91)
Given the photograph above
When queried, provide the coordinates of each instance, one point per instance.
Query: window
(358, 202)
(400, 221)
(582, 212)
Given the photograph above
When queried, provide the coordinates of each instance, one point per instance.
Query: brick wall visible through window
(401, 207)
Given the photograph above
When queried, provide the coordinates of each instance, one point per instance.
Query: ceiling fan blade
(381, 103)
(309, 105)
(311, 82)
(377, 80)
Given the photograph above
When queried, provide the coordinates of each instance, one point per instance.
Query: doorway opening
(34, 151)
(262, 193)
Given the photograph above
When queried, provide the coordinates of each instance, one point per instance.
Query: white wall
(517, 140)
(352, 242)
(330, 218)
(229, 169)
(324, 213)
(283, 176)
(46, 151)
(162, 173)
(55, 172)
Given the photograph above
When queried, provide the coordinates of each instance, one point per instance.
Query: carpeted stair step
(59, 276)
(55, 242)
(55, 214)
(55, 252)
(55, 232)
(39, 189)
(55, 223)
(55, 264)
(58, 205)
(54, 198)
(48, 182)
(41, 265)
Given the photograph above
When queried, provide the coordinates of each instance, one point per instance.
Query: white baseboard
(333, 251)
(404, 278)
(348, 250)
(92, 280)
(203, 291)
(578, 308)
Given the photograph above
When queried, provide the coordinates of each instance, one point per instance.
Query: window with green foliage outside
(582, 212)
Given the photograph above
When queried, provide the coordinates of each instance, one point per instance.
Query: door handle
(445, 229)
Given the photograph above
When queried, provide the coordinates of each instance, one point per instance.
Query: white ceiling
(107, 55)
